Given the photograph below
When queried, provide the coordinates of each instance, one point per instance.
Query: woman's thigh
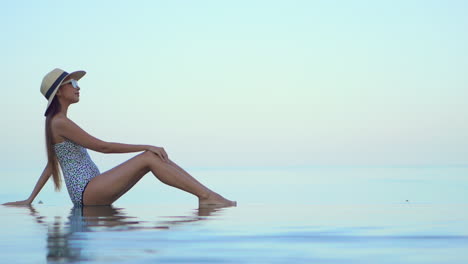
(104, 189)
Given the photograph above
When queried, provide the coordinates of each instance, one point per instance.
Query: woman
(66, 144)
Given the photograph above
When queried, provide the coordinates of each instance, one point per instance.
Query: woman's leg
(104, 189)
(207, 201)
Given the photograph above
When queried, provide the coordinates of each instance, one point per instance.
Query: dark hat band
(55, 84)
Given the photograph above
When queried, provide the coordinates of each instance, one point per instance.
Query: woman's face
(68, 93)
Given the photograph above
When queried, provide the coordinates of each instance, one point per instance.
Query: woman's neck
(64, 108)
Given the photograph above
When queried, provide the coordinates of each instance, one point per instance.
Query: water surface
(308, 215)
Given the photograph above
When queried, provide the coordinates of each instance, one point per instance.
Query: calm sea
(284, 215)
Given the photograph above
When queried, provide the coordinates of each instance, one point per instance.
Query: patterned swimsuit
(77, 167)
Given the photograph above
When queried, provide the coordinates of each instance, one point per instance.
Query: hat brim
(74, 75)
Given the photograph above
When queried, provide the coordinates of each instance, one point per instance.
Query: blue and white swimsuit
(77, 168)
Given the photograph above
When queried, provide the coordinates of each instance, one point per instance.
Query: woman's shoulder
(58, 120)
(57, 124)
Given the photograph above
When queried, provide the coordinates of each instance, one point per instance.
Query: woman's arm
(40, 183)
(68, 129)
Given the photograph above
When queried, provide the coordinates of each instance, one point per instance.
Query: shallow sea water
(288, 215)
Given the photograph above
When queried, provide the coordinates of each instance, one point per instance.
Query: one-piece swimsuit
(77, 167)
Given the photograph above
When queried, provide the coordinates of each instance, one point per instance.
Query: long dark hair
(53, 109)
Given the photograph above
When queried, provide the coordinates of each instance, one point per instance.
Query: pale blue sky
(245, 83)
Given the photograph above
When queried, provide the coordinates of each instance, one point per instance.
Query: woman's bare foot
(215, 199)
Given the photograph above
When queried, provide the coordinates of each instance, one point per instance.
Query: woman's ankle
(205, 196)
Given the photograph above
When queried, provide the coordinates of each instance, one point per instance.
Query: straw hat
(52, 81)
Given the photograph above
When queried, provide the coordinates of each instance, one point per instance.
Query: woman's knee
(151, 157)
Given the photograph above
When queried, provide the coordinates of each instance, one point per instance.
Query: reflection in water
(65, 237)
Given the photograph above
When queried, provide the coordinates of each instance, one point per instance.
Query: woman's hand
(24, 202)
(160, 152)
